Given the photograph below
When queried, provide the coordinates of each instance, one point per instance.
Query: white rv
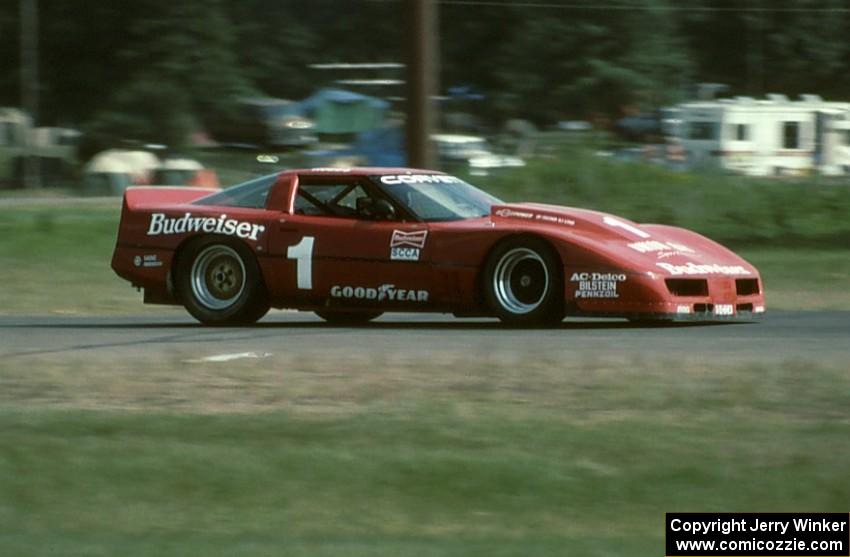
(771, 137)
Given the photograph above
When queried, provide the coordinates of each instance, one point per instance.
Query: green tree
(189, 44)
(277, 42)
(276, 48)
(763, 46)
(184, 72)
(146, 110)
(806, 49)
(575, 63)
(10, 70)
(545, 61)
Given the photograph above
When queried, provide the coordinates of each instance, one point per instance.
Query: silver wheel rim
(218, 277)
(521, 280)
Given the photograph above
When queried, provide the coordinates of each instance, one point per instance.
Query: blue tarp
(382, 146)
(378, 147)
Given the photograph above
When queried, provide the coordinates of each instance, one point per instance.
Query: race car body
(350, 244)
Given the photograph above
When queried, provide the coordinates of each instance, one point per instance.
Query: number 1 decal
(302, 253)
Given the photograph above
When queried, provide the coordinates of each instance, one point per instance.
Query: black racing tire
(348, 317)
(523, 282)
(219, 282)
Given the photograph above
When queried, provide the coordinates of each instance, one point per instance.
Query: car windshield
(251, 194)
(437, 197)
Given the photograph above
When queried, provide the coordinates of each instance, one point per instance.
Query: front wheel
(523, 282)
(219, 282)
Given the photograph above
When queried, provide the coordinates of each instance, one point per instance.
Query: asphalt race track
(815, 336)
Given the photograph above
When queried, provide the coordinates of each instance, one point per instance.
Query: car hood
(665, 250)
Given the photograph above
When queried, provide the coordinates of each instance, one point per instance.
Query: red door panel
(341, 262)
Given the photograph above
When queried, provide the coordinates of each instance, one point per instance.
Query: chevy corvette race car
(350, 244)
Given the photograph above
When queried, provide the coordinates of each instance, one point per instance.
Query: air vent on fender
(746, 287)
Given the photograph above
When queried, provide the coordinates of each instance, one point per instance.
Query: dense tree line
(163, 66)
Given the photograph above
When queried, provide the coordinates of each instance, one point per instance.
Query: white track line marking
(229, 357)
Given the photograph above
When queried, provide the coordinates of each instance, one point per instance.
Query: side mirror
(377, 209)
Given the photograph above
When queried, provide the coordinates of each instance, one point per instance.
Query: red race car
(350, 244)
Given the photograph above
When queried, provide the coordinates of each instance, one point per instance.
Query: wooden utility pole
(422, 81)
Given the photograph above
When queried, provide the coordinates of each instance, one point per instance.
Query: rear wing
(146, 197)
(140, 202)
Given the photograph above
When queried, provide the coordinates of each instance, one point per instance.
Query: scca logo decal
(404, 254)
(406, 246)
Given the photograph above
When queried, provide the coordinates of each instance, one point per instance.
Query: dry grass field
(383, 454)
(445, 456)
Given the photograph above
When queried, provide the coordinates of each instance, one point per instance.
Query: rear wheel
(348, 317)
(523, 282)
(219, 282)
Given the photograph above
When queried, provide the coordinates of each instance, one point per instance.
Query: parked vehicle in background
(264, 122)
(643, 127)
(106, 176)
(671, 121)
(112, 171)
(51, 150)
(770, 137)
(574, 126)
(184, 172)
(471, 153)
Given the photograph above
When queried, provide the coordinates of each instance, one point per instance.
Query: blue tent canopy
(338, 111)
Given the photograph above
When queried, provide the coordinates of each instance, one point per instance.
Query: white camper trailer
(771, 137)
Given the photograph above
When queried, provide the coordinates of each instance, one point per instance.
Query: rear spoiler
(141, 197)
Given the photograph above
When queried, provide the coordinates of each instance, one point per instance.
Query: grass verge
(734, 210)
(423, 457)
(56, 260)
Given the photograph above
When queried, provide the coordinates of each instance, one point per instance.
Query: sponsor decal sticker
(512, 213)
(597, 285)
(662, 249)
(147, 261)
(527, 215)
(710, 269)
(724, 310)
(161, 225)
(387, 292)
(405, 246)
(554, 219)
(330, 169)
(395, 179)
